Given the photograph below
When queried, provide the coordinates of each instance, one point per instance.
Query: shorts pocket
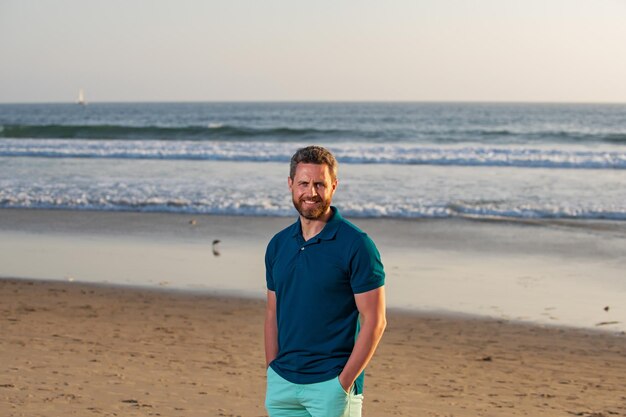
(341, 387)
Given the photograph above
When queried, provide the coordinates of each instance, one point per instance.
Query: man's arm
(371, 305)
(271, 329)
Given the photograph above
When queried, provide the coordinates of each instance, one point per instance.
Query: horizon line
(315, 102)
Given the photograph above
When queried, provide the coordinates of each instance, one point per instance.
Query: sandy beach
(84, 349)
(133, 314)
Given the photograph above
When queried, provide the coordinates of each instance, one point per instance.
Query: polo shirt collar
(328, 232)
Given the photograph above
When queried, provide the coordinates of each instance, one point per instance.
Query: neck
(311, 228)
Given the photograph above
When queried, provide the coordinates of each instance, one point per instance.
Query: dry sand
(78, 350)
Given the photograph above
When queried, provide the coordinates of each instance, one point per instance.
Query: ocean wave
(579, 137)
(401, 154)
(531, 136)
(532, 211)
(615, 138)
(216, 131)
(350, 209)
(212, 131)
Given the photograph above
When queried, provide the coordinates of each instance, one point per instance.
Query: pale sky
(296, 50)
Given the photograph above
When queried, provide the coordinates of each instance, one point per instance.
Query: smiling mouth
(315, 201)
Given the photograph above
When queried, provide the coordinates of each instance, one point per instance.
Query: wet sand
(545, 272)
(78, 349)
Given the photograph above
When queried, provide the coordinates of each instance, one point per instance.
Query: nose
(313, 190)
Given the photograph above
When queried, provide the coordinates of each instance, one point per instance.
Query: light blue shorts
(322, 399)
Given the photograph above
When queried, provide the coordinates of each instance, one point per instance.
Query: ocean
(398, 160)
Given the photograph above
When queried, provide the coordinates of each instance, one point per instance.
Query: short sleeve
(269, 262)
(366, 268)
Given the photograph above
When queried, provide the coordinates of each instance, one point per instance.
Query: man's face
(312, 190)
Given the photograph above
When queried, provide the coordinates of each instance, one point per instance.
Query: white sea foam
(575, 157)
(259, 189)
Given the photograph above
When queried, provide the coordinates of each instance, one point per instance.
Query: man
(322, 273)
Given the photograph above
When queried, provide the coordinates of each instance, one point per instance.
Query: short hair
(313, 155)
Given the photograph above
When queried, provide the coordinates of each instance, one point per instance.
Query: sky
(292, 50)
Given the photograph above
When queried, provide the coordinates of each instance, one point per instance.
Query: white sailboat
(81, 97)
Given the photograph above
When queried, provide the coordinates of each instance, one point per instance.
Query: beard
(311, 212)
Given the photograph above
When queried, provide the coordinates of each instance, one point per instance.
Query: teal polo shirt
(315, 282)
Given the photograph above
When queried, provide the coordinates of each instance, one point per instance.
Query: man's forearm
(270, 329)
(271, 341)
(372, 330)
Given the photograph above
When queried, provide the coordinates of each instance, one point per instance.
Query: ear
(334, 185)
(289, 182)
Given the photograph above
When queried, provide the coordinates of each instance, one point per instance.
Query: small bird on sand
(606, 308)
(214, 247)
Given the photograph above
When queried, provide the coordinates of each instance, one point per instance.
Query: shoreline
(179, 225)
(83, 349)
(604, 224)
(235, 296)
